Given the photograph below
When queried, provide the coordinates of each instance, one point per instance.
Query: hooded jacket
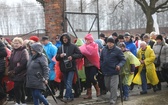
(91, 52)
(3, 54)
(38, 63)
(70, 50)
(131, 46)
(51, 51)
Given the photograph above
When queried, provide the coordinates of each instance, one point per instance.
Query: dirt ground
(152, 98)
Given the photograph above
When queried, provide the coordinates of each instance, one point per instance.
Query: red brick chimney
(54, 10)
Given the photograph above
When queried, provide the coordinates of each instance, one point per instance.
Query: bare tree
(151, 7)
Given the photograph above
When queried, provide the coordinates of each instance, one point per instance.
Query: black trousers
(91, 73)
(19, 90)
(2, 91)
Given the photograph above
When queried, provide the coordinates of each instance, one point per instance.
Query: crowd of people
(107, 63)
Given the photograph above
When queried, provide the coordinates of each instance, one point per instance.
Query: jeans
(68, 79)
(125, 90)
(144, 81)
(36, 93)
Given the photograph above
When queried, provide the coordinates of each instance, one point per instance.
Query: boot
(3, 101)
(97, 90)
(89, 94)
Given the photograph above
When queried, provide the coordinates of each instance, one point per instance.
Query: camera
(68, 64)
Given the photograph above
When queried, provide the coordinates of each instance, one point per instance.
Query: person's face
(110, 45)
(87, 41)
(102, 38)
(44, 42)
(143, 46)
(158, 41)
(57, 39)
(146, 40)
(127, 38)
(65, 39)
(16, 44)
(33, 52)
(114, 37)
(121, 40)
(122, 48)
(153, 36)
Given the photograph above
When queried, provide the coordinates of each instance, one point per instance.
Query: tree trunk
(149, 24)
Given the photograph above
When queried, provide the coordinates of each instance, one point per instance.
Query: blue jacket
(131, 47)
(109, 59)
(51, 51)
(58, 44)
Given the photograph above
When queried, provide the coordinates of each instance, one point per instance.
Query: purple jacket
(18, 63)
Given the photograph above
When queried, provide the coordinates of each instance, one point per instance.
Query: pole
(71, 26)
(92, 25)
(41, 77)
(98, 28)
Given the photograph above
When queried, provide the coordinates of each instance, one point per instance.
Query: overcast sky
(11, 2)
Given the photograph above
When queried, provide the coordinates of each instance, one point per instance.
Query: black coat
(3, 54)
(70, 50)
(151, 43)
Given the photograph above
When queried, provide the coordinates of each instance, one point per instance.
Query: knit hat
(34, 38)
(115, 34)
(159, 37)
(121, 37)
(110, 40)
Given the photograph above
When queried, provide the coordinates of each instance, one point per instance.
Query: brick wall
(53, 17)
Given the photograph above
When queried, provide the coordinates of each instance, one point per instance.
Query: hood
(37, 47)
(67, 36)
(99, 42)
(79, 42)
(89, 37)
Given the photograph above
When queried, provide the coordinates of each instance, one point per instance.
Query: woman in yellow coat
(146, 71)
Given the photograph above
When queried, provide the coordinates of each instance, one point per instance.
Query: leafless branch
(142, 5)
(162, 10)
(41, 2)
(162, 5)
(120, 2)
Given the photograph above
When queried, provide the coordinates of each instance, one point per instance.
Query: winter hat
(102, 35)
(115, 34)
(127, 34)
(34, 38)
(110, 40)
(159, 37)
(120, 37)
(45, 38)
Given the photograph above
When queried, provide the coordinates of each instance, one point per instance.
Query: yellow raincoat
(127, 77)
(150, 67)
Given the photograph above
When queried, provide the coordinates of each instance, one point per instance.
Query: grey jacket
(163, 55)
(38, 63)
